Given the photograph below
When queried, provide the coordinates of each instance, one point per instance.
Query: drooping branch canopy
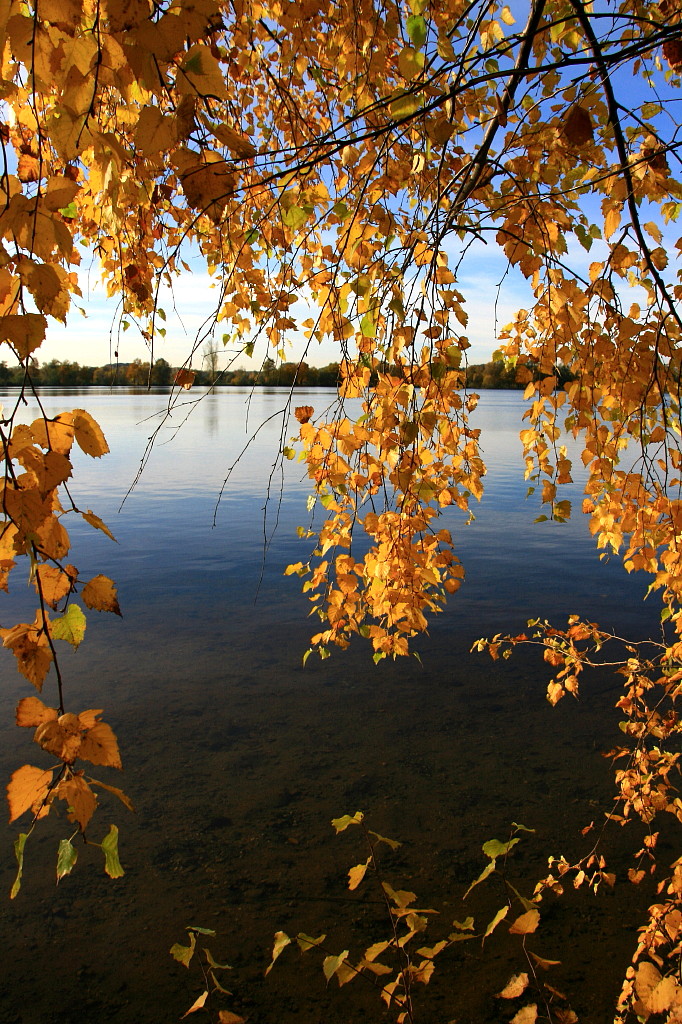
(335, 163)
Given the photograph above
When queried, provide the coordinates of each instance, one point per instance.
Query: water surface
(237, 758)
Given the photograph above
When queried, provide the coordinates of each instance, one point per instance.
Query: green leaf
(252, 236)
(416, 30)
(19, 845)
(193, 64)
(368, 326)
(200, 931)
(69, 211)
(404, 104)
(183, 954)
(494, 848)
(70, 627)
(296, 216)
(112, 864)
(66, 858)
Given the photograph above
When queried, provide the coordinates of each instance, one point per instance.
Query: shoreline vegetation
(496, 374)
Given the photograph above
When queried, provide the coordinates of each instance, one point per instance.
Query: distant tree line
(495, 374)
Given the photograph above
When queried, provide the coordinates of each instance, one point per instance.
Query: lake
(237, 757)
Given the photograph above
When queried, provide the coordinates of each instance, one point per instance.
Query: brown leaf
(672, 51)
(303, 413)
(27, 787)
(577, 127)
(185, 378)
(89, 434)
(99, 593)
(31, 712)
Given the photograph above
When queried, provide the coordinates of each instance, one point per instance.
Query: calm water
(237, 758)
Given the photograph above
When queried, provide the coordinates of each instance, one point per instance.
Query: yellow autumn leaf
(515, 987)
(526, 923)
(89, 434)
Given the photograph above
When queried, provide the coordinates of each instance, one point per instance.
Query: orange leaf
(32, 651)
(27, 787)
(99, 746)
(79, 797)
(100, 593)
(95, 521)
(61, 737)
(32, 712)
(55, 583)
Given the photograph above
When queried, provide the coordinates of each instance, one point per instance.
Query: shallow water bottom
(236, 775)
